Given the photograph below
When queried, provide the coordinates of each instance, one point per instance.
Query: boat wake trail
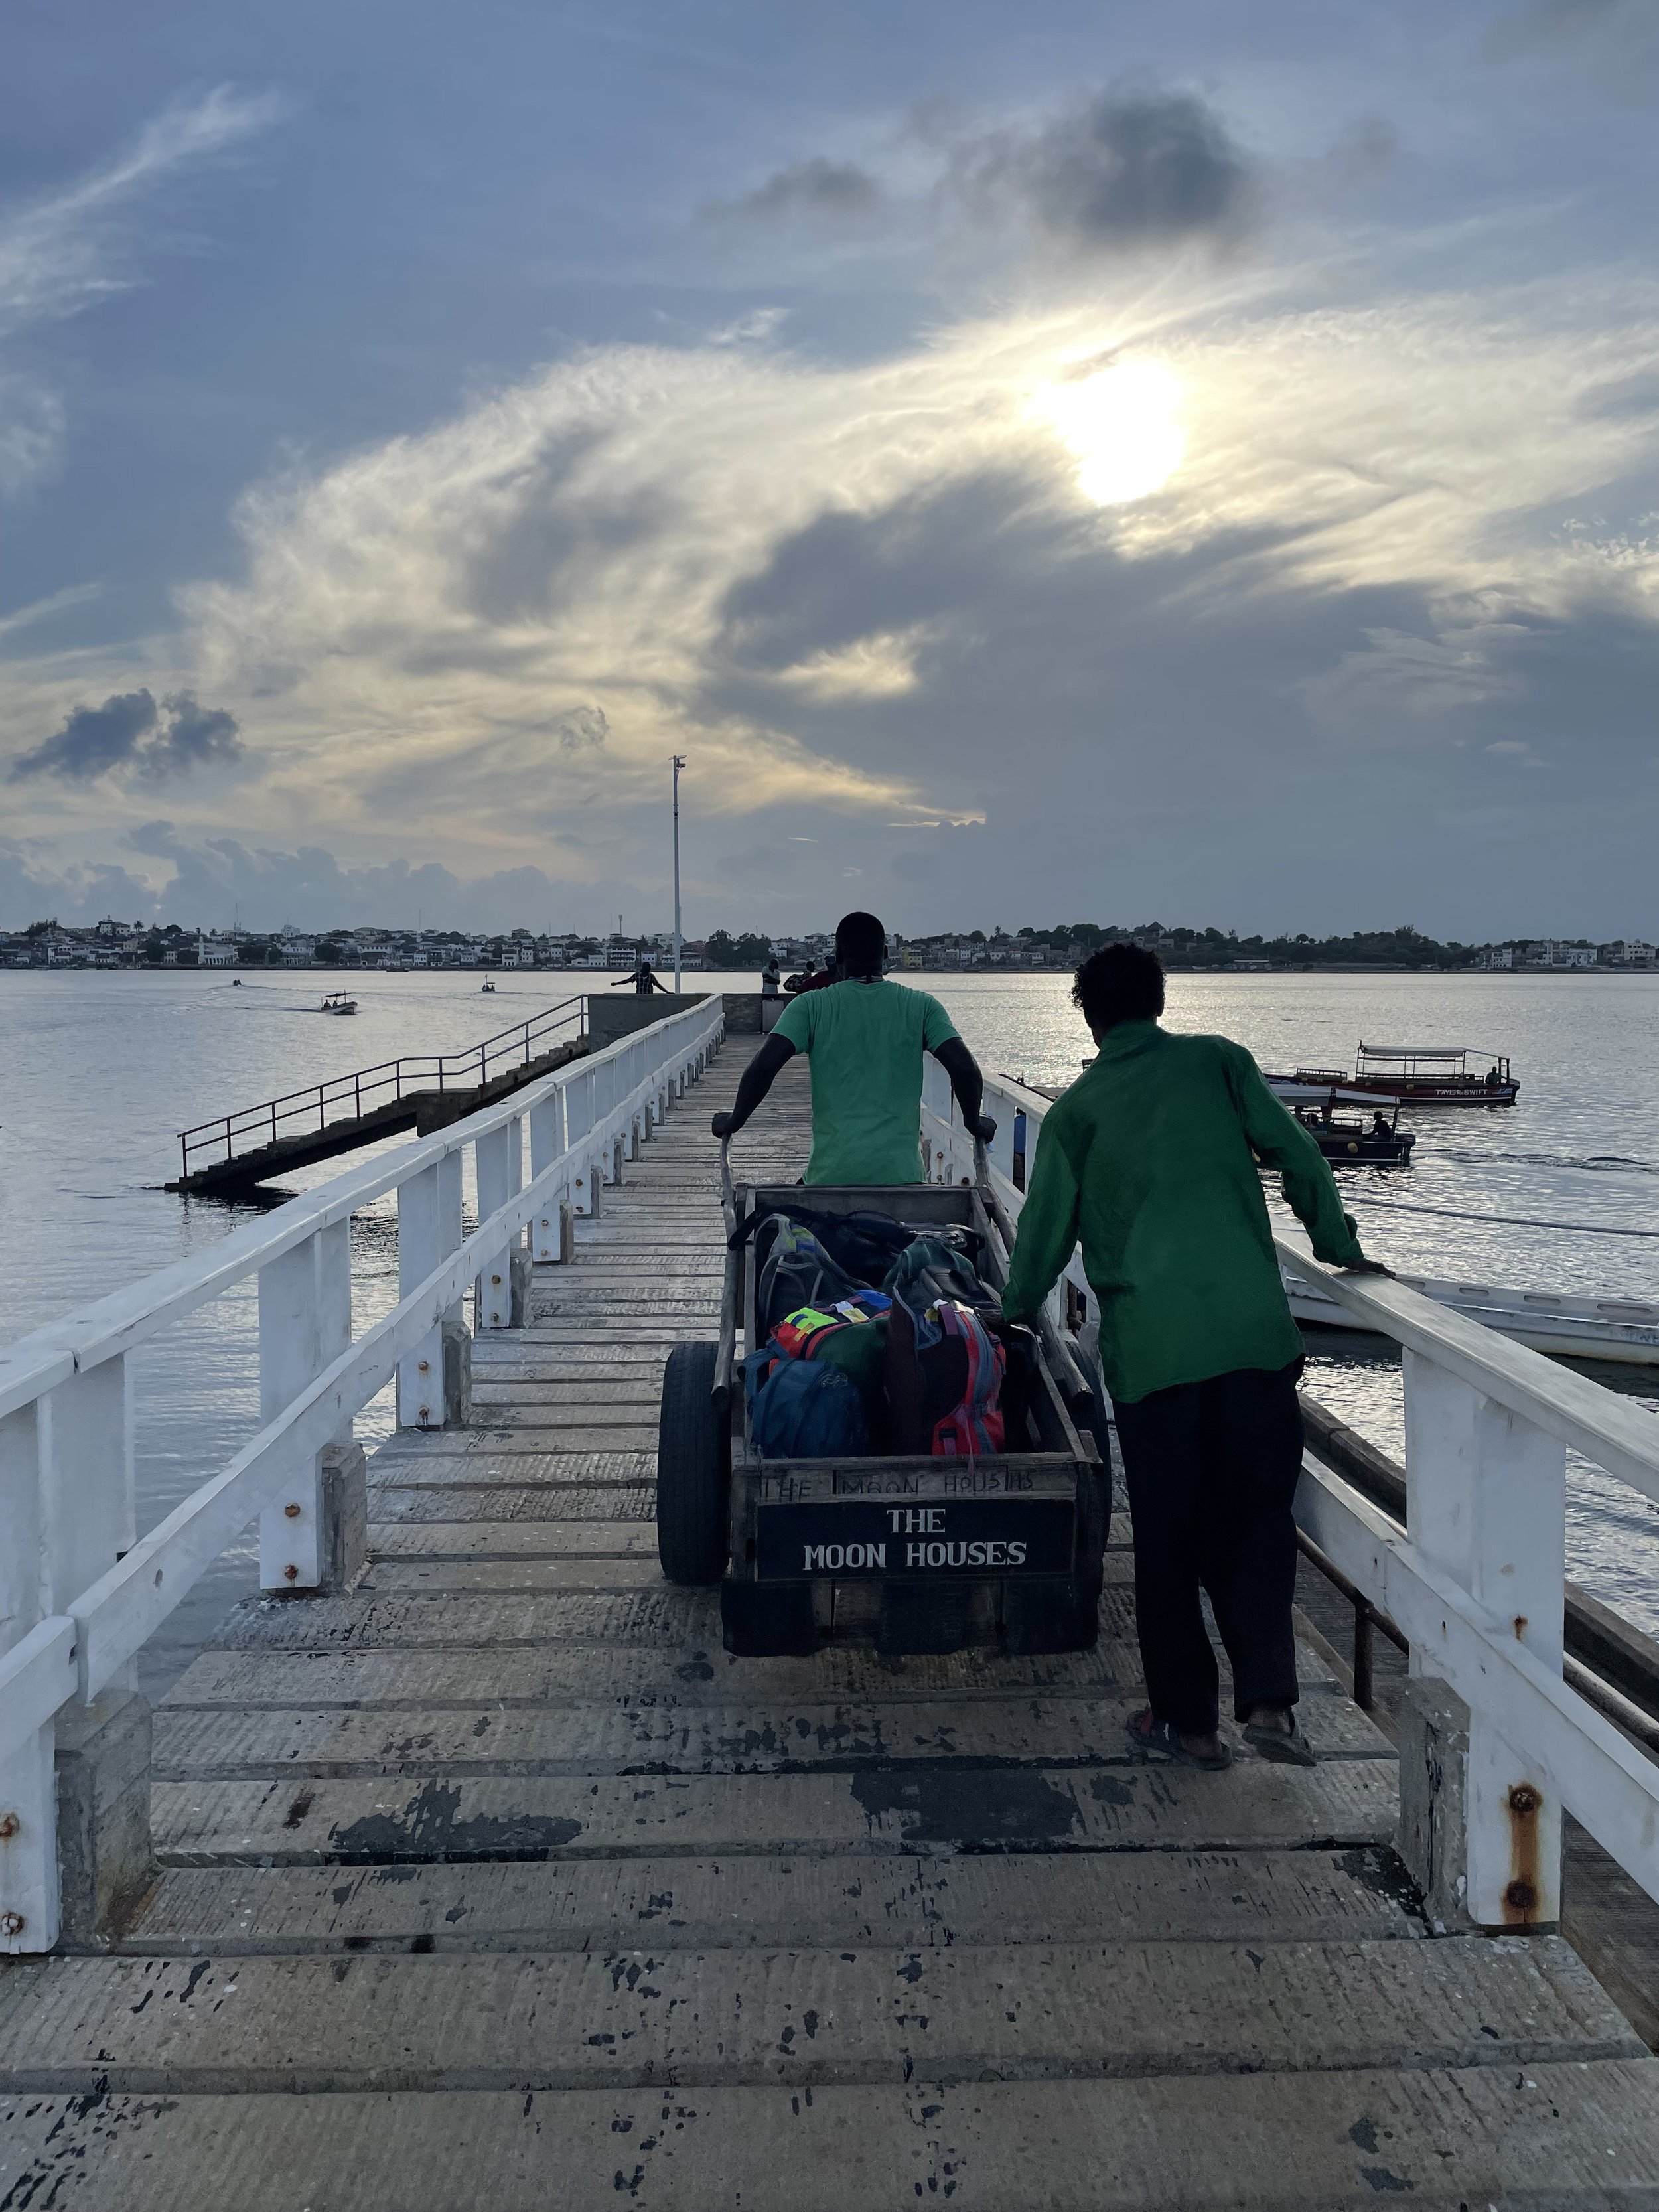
(1594, 1164)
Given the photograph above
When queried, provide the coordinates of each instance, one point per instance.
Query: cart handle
(728, 1194)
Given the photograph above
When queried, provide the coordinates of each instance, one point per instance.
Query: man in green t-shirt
(865, 1038)
(1150, 1162)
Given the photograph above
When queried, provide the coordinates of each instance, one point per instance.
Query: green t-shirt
(864, 1040)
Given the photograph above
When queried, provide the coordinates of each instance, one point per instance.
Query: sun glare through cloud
(1123, 425)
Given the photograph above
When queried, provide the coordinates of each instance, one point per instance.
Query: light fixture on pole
(679, 763)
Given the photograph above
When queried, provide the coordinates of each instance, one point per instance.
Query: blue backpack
(807, 1409)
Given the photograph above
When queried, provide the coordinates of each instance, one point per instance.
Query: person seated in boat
(1381, 1125)
(864, 1037)
(1150, 1160)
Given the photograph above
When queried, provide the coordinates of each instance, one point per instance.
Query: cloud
(34, 886)
(128, 731)
(1129, 169)
(1549, 26)
(67, 250)
(214, 878)
(817, 190)
(583, 729)
(191, 737)
(880, 592)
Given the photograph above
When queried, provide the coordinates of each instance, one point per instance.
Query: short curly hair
(1119, 983)
(861, 943)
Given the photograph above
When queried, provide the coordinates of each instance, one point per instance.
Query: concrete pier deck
(496, 1883)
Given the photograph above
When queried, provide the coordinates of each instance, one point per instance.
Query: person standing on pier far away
(865, 1038)
(1150, 1159)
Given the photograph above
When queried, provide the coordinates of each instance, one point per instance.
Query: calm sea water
(98, 1071)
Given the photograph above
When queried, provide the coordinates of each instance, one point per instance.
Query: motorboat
(488, 987)
(1357, 1142)
(338, 1003)
(1417, 1075)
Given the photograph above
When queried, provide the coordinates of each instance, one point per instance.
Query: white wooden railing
(1475, 1580)
(80, 1590)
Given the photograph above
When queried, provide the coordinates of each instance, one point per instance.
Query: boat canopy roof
(1415, 1051)
(1310, 1094)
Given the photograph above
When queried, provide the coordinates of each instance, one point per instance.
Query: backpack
(808, 1409)
(800, 1333)
(944, 1369)
(793, 1270)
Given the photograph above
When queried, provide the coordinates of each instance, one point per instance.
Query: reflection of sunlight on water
(77, 1218)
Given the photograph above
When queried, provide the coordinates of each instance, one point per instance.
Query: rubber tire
(694, 1471)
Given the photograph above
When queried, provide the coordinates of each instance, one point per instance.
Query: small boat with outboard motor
(1415, 1075)
(338, 1003)
(1368, 1137)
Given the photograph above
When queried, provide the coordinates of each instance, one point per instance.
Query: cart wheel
(693, 1469)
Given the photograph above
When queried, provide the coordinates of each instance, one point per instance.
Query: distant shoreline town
(112, 943)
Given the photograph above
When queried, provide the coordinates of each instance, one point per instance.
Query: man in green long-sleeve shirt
(1150, 1160)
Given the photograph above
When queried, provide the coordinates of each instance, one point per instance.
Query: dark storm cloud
(129, 731)
(1129, 169)
(93, 740)
(818, 189)
(189, 737)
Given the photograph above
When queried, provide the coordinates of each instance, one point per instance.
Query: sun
(1122, 424)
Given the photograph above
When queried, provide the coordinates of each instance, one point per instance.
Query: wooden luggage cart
(913, 1554)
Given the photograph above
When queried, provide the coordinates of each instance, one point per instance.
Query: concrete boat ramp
(496, 1883)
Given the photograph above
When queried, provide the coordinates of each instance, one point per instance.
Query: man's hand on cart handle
(724, 1125)
(983, 1128)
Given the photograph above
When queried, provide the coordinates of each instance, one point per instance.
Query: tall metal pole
(679, 763)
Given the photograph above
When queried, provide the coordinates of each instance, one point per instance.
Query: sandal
(1157, 1738)
(1285, 1747)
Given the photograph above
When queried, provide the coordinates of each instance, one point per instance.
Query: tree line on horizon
(1391, 948)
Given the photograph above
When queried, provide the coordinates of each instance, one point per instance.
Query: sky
(1075, 462)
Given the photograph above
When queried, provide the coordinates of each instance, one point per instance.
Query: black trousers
(1212, 1469)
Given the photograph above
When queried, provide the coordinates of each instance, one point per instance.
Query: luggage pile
(880, 1339)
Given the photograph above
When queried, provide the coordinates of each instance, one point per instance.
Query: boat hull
(1447, 1093)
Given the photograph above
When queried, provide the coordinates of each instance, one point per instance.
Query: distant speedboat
(487, 987)
(236, 983)
(338, 1003)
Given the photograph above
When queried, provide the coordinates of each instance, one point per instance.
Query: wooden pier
(494, 1882)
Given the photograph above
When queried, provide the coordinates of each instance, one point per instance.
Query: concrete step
(582, 1673)
(504, 1386)
(661, 1619)
(493, 1504)
(729, 2018)
(581, 1905)
(515, 1576)
(478, 1539)
(477, 1454)
(628, 1738)
(941, 1806)
(1555, 2138)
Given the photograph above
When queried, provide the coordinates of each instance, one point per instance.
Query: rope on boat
(1508, 1220)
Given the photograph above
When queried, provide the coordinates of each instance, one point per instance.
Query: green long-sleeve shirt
(1148, 1159)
